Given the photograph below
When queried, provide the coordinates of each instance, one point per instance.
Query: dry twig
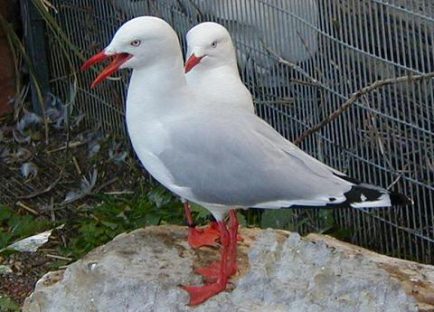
(58, 257)
(374, 86)
(64, 147)
(281, 60)
(25, 207)
(44, 191)
(104, 185)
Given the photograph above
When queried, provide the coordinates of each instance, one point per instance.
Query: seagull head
(210, 45)
(140, 42)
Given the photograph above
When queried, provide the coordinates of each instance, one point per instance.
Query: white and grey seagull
(220, 159)
(210, 51)
(210, 45)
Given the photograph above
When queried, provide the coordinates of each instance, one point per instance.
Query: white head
(140, 42)
(209, 46)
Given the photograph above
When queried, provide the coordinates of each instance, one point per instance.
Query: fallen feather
(86, 187)
(29, 170)
(32, 243)
(5, 269)
(93, 145)
(56, 111)
(116, 154)
(16, 156)
(29, 119)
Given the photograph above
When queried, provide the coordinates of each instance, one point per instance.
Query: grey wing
(245, 163)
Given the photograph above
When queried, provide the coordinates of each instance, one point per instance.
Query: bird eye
(214, 44)
(135, 43)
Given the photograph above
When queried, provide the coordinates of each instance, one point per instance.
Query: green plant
(14, 226)
(97, 224)
(8, 305)
(114, 215)
(308, 220)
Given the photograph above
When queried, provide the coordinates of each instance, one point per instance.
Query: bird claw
(199, 294)
(199, 237)
(211, 272)
(217, 273)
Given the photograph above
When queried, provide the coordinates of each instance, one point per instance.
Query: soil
(60, 170)
(27, 269)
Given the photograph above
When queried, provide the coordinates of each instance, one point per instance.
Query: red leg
(200, 237)
(187, 213)
(199, 294)
(233, 239)
(211, 272)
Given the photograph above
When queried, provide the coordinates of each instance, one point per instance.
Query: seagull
(211, 53)
(222, 160)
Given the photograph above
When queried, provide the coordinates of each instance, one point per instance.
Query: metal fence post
(35, 42)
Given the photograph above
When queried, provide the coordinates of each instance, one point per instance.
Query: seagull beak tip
(118, 60)
(192, 61)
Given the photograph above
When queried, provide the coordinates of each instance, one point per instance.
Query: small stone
(91, 266)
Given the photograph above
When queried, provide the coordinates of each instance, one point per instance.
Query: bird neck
(158, 78)
(214, 76)
(230, 65)
(154, 91)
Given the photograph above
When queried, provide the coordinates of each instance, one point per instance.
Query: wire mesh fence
(302, 60)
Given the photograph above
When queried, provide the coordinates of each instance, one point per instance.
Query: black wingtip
(398, 199)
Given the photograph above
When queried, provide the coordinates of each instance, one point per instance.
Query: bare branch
(375, 85)
(44, 191)
(281, 60)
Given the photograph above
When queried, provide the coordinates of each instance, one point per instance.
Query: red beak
(192, 61)
(118, 60)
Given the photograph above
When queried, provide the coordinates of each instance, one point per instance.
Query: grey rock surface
(141, 271)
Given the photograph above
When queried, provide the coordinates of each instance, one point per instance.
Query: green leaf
(5, 239)
(159, 196)
(8, 305)
(281, 219)
(14, 227)
(241, 219)
(153, 219)
(327, 220)
(111, 225)
(5, 214)
(200, 212)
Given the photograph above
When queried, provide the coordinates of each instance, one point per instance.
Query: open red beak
(118, 60)
(192, 61)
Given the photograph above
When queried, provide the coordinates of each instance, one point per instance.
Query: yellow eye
(135, 43)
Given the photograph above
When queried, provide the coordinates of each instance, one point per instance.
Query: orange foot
(199, 237)
(199, 294)
(211, 272)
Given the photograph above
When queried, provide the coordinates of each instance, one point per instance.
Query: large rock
(281, 271)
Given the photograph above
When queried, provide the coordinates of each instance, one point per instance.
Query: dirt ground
(54, 181)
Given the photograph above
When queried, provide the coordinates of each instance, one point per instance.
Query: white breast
(221, 87)
(149, 138)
